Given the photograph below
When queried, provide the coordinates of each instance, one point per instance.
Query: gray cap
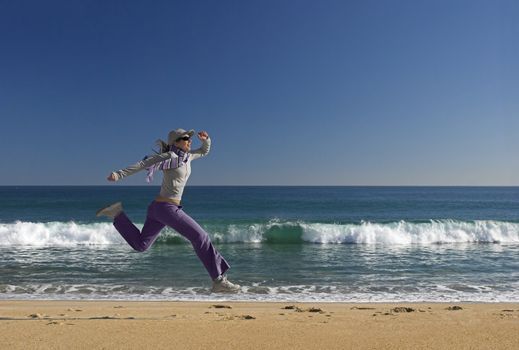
(174, 135)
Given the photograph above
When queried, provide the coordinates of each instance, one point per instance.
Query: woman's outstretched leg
(140, 241)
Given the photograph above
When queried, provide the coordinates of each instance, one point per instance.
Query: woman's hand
(112, 177)
(203, 135)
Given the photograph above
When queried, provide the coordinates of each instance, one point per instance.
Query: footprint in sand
(239, 317)
(454, 308)
(315, 309)
(247, 317)
(220, 306)
(298, 309)
(402, 309)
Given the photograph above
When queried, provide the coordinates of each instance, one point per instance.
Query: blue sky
(291, 92)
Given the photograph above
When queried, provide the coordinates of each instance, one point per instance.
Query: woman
(174, 160)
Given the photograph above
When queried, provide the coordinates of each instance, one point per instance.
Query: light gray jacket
(174, 180)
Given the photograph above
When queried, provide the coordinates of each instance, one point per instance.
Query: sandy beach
(236, 325)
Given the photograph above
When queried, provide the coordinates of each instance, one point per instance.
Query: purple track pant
(162, 214)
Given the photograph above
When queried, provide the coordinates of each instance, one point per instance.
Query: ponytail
(163, 146)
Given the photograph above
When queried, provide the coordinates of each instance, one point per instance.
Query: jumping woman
(174, 159)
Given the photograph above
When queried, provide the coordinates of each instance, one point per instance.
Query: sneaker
(223, 285)
(111, 211)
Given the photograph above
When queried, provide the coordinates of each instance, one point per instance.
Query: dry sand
(235, 325)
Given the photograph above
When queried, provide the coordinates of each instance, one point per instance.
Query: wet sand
(260, 325)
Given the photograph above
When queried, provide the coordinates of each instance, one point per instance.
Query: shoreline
(245, 301)
(118, 324)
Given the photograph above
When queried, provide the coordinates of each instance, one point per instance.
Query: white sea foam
(275, 231)
(293, 293)
(57, 234)
(447, 231)
(396, 233)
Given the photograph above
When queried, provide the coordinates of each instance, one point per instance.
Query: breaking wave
(274, 232)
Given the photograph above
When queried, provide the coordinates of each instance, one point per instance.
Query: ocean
(358, 244)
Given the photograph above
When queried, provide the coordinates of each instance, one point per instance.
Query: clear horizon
(352, 186)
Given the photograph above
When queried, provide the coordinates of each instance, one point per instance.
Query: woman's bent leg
(137, 240)
(175, 217)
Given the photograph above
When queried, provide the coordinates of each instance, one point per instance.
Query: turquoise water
(283, 243)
